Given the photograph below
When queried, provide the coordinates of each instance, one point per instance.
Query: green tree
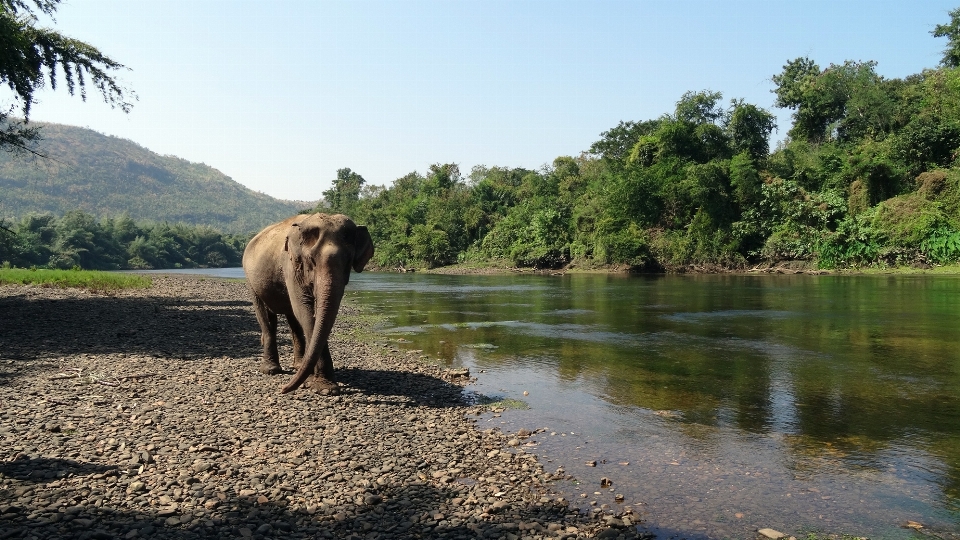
(344, 194)
(749, 128)
(699, 107)
(823, 100)
(951, 31)
(615, 144)
(30, 58)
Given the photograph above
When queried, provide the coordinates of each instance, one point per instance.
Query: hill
(107, 176)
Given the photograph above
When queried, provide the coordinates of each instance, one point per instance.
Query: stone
(771, 534)
(612, 521)
(168, 511)
(206, 447)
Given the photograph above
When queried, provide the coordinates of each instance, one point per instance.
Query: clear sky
(280, 94)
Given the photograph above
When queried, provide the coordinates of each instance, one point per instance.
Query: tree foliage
(32, 57)
(951, 31)
(79, 240)
(868, 174)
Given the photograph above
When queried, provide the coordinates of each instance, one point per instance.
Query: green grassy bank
(85, 279)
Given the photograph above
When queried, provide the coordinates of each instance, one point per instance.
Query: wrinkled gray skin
(298, 268)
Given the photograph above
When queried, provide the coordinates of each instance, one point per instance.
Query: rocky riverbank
(142, 414)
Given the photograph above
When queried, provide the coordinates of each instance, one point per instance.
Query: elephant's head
(320, 251)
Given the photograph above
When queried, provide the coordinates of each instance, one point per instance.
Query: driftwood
(136, 376)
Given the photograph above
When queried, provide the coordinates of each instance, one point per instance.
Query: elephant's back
(261, 257)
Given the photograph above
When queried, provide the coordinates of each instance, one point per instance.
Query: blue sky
(280, 94)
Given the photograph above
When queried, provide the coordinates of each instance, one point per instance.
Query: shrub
(855, 242)
(942, 245)
(791, 242)
(625, 244)
(908, 219)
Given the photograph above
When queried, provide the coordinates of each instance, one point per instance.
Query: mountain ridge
(107, 176)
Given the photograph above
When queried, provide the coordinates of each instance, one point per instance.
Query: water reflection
(788, 401)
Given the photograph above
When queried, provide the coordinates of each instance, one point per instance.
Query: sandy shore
(142, 414)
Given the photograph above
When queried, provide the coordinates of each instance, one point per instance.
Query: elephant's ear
(363, 248)
(309, 235)
(294, 229)
(301, 237)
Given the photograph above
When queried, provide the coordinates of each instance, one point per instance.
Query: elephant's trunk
(327, 295)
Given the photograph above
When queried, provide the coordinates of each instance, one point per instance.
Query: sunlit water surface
(716, 404)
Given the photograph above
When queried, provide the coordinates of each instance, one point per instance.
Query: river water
(716, 404)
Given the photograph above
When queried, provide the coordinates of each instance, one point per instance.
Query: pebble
(144, 415)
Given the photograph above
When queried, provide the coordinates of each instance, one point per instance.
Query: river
(716, 404)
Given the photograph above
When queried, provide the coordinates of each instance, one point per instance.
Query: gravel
(142, 414)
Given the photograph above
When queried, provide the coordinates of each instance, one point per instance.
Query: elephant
(299, 268)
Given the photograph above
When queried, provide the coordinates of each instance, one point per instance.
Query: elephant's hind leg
(268, 338)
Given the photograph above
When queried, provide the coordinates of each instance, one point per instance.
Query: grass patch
(361, 323)
(943, 270)
(500, 402)
(93, 280)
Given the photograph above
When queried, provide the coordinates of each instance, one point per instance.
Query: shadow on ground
(49, 328)
(405, 512)
(39, 470)
(421, 389)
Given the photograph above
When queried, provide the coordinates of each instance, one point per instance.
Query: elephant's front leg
(322, 380)
(268, 338)
(299, 342)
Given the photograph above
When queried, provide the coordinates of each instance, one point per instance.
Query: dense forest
(79, 240)
(869, 174)
(108, 176)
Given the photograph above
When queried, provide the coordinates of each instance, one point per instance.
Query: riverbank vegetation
(84, 279)
(79, 240)
(868, 175)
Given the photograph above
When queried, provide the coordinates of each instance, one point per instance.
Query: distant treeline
(110, 176)
(79, 240)
(869, 174)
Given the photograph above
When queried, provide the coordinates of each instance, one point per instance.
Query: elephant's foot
(270, 368)
(324, 387)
